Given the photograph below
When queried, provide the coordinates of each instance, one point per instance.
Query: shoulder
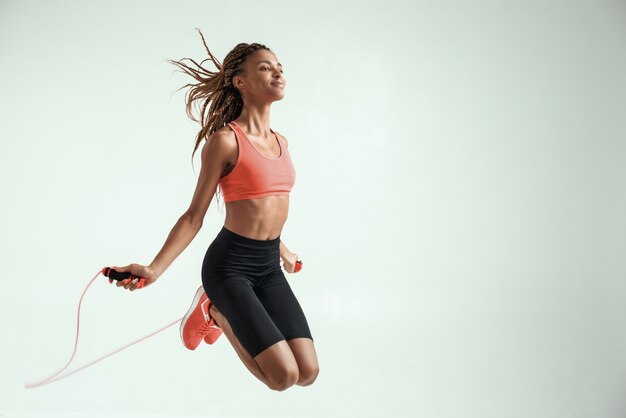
(224, 137)
(221, 143)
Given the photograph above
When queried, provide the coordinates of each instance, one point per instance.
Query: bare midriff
(261, 218)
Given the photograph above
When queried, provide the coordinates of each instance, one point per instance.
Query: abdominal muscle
(261, 218)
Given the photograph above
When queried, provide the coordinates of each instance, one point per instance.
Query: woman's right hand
(139, 271)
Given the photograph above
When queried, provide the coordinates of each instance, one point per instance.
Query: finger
(133, 284)
(129, 282)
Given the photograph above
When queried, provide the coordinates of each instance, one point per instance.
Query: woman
(244, 292)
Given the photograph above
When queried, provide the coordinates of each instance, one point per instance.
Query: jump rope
(112, 274)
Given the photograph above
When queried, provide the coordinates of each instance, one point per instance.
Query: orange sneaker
(197, 323)
(213, 334)
(215, 331)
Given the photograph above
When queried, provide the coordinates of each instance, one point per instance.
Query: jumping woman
(244, 292)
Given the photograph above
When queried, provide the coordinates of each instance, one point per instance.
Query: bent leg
(243, 354)
(281, 304)
(275, 366)
(232, 294)
(232, 265)
(252, 333)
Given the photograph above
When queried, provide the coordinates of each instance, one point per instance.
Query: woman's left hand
(292, 263)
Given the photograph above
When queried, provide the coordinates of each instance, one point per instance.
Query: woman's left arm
(284, 251)
(290, 260)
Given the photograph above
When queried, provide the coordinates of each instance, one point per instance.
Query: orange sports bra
(255, 175)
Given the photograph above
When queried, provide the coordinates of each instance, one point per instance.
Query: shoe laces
(205, 328)
(205, 311)
(209, 323)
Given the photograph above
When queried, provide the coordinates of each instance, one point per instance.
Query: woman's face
(263, 76)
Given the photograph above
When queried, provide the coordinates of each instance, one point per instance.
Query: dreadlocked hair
(216, 89)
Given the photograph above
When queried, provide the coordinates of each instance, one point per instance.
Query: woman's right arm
(215, 154)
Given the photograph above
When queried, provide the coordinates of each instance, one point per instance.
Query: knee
(308, 376)
(286, 379)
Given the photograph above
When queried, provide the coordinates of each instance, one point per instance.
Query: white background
(459, 206)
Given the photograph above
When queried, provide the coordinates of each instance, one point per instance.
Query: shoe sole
(194, 303)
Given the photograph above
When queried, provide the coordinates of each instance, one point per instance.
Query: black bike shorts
(243, 279)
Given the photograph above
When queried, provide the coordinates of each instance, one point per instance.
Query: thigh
(279, 301)
(234, 297)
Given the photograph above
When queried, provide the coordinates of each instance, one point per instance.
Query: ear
(238, 81)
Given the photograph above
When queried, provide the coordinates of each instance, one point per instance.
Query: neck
(255, 120)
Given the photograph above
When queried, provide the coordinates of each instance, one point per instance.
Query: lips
(277, 84)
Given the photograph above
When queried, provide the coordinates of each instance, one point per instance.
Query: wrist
(155, 271)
